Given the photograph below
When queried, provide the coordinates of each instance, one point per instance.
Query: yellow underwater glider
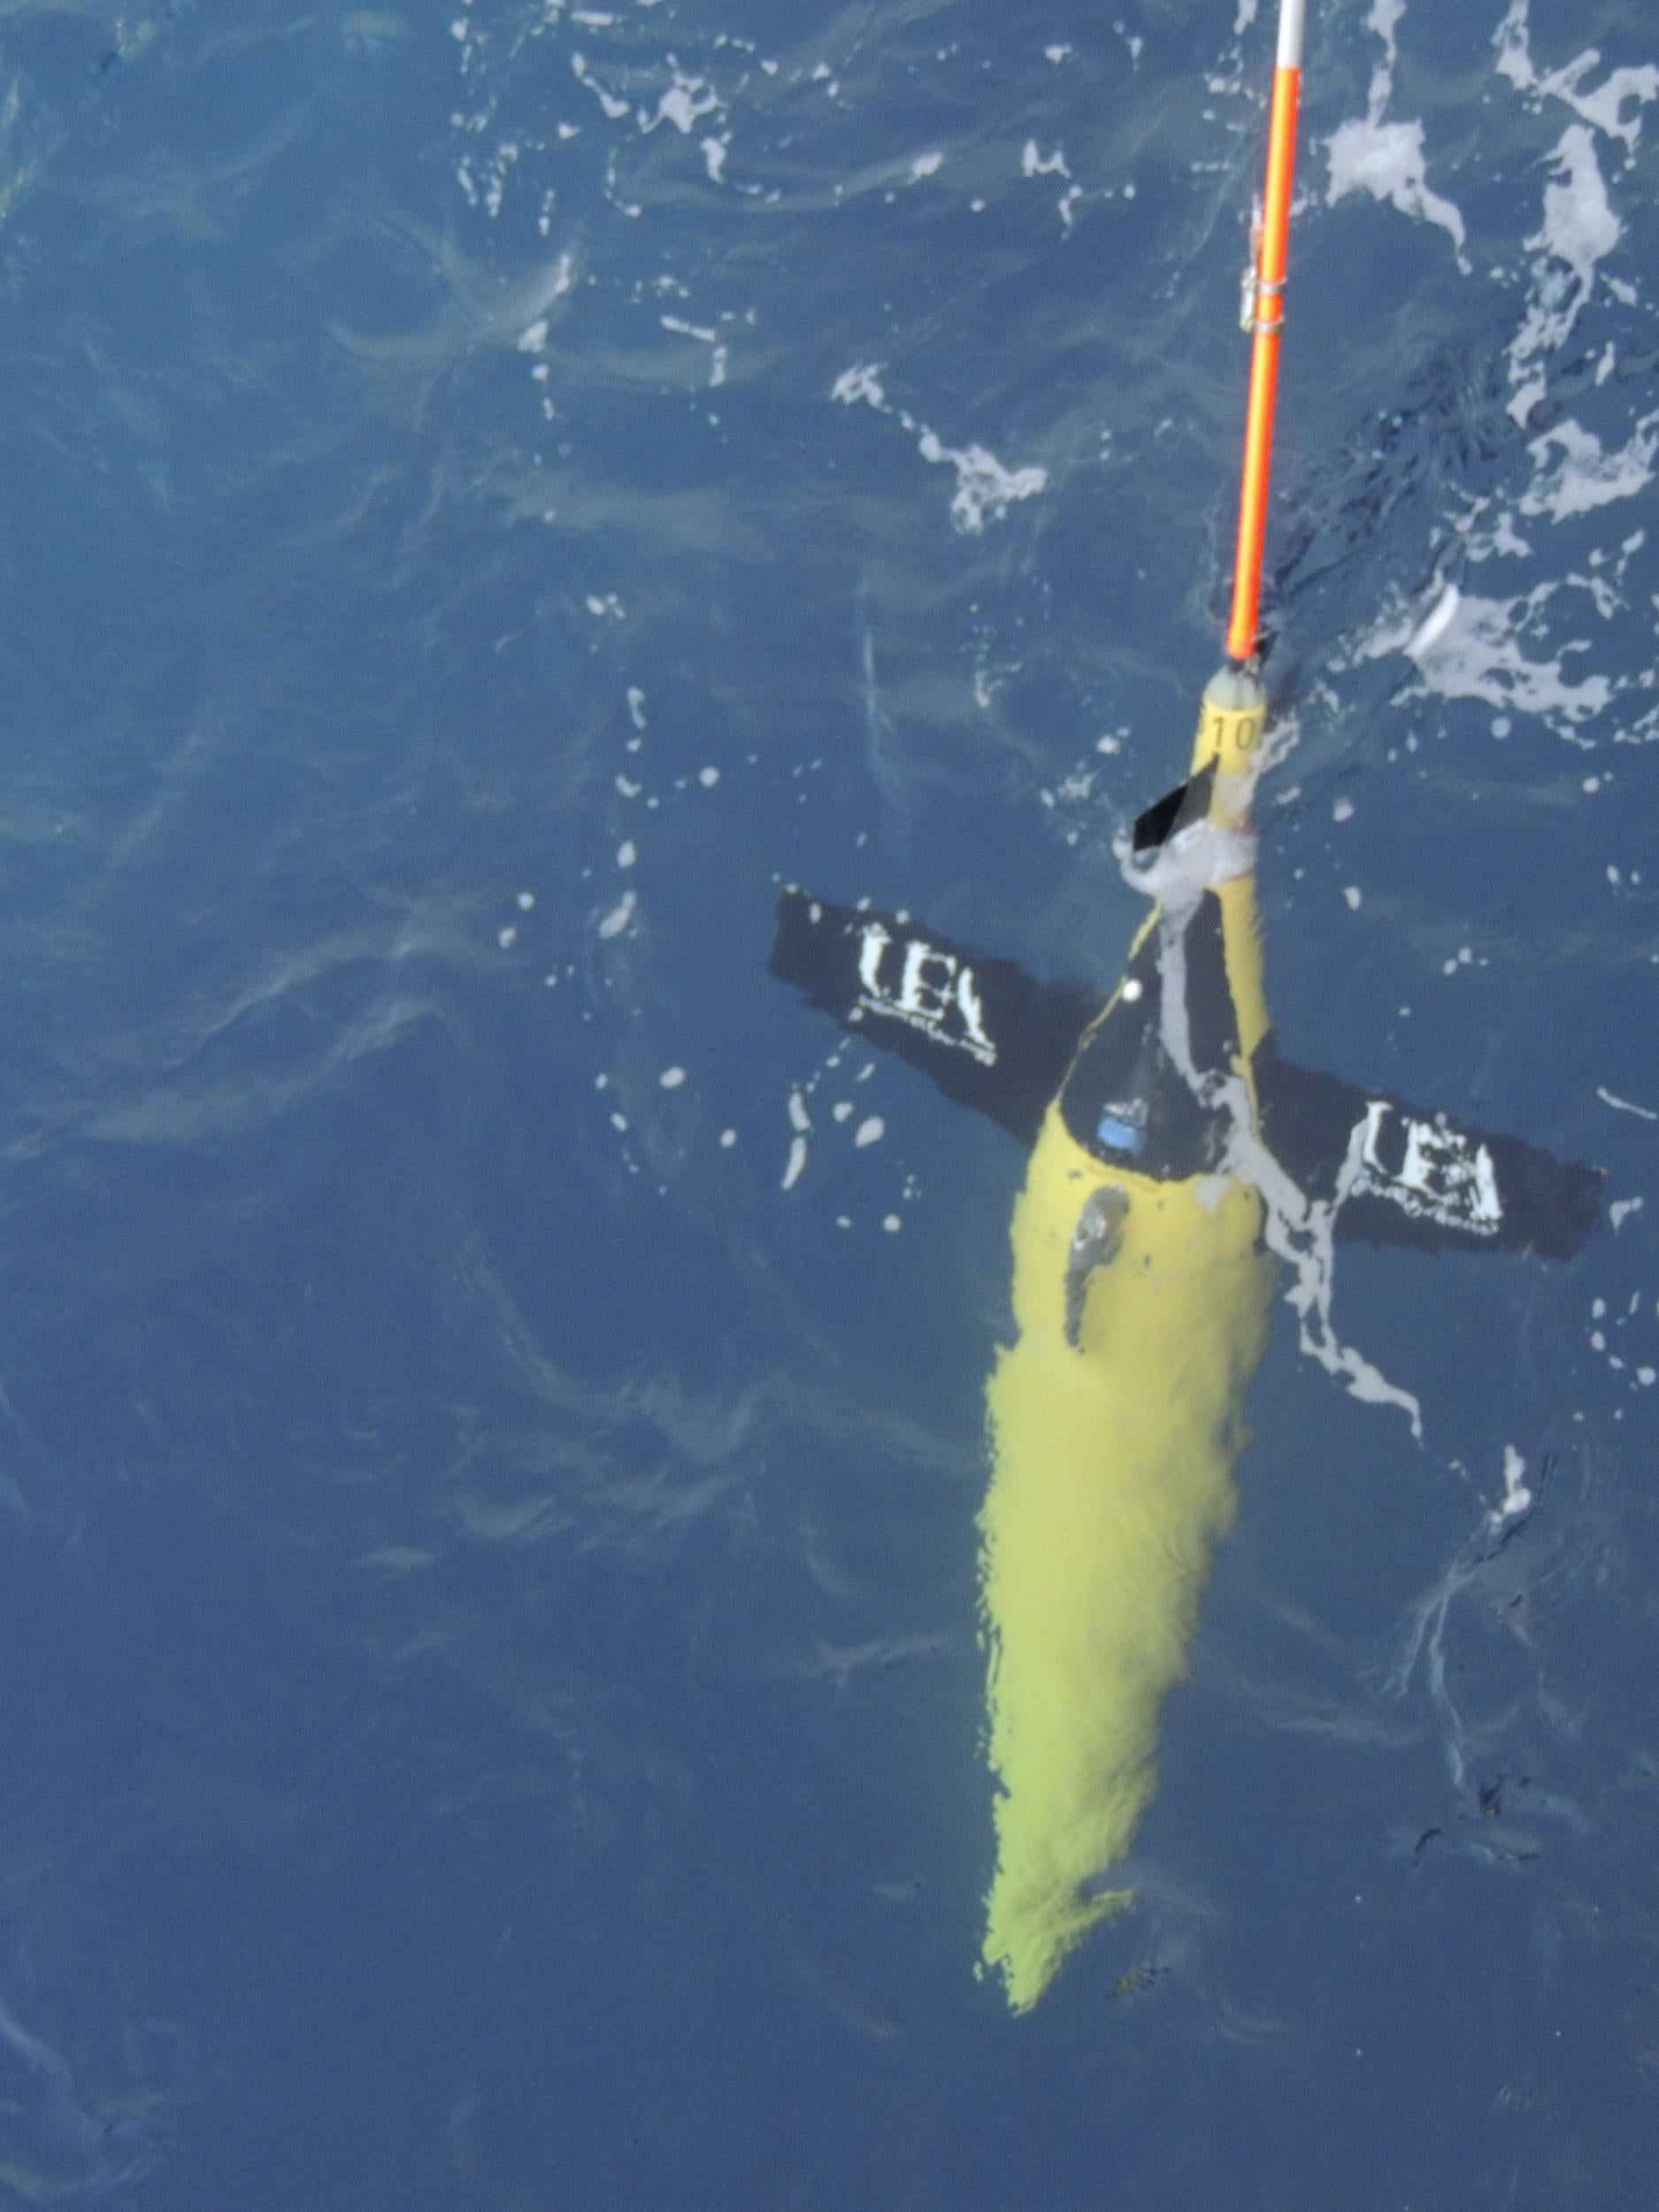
(1179, 1166)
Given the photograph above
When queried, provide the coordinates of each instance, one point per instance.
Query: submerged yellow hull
(1114, 1429)
(1111, 1482)
(1163, 1132)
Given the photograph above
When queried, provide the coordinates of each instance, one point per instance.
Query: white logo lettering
(1374, 1112)
(876, 942)
(1441, 1175)
(973, 1018)
(936, 993)
(917, 994)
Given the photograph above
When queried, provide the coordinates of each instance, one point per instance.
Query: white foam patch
(1579, 231)
(687, 101)
(621, 914)
(1501, 537)
(1370, 154)
(985, 488)
(861, 382)
(1620, 1211)
(614, 108)
(796, 1162)
(1178, 873)
(705, 336)
(1625, 1105)
(1034, 163)
(1480, 655)
(926, 165)
(870, 1131)
(1575, 474)
(1579, 226)
(1384, 19)
(1388, 160)
(1517, 1497)
(671, 1079)
(1605, 108)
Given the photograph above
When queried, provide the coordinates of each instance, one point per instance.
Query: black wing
(988, 1035)
(993, 1039)
(1422, 1178)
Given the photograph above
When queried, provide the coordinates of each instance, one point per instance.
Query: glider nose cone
(1230, 725)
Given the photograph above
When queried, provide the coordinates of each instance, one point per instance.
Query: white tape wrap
(1291, 15)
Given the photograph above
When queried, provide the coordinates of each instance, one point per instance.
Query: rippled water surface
(490, 1704)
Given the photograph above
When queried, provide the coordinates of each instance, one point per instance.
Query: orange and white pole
(1269, 321)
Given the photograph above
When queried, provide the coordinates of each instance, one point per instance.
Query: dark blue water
(489, 1701)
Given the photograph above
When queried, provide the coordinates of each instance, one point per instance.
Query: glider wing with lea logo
(993, 1039)
(990, 1036)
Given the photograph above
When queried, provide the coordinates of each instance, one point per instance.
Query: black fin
(988, 1035)
(1187, 803)
(1424, 1179)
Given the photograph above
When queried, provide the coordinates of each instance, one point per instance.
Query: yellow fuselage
(1113, 1442)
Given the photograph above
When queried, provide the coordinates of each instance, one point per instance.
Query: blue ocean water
(490, 1706)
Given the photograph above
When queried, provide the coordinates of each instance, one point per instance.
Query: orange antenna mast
(1269, 321)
